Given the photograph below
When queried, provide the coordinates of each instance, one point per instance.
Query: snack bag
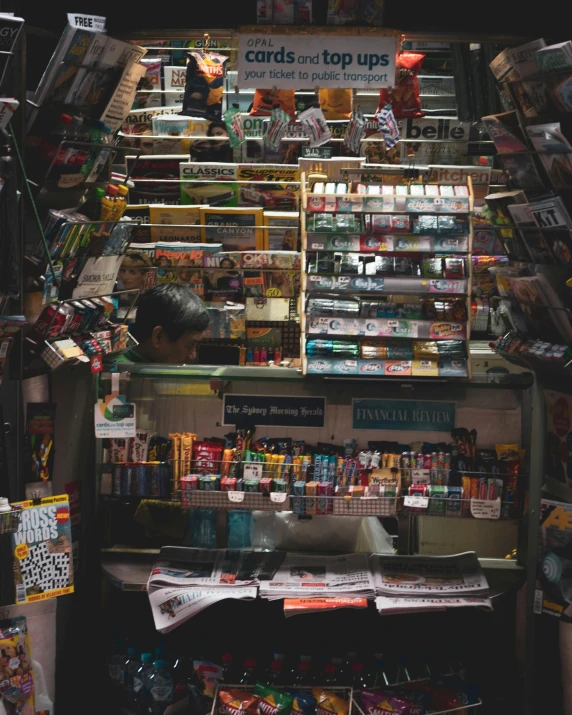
(342, 12)
(204, 84)
(272, 702)
(336, 103)
(315, 126)
(237, 702)
(330, 704)
(207, 457)
(381, 701)
(404, 97)
(16, 683)
(304, 703)
(388, 126)
(266, 99)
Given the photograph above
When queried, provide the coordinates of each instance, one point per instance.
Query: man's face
(179, 351)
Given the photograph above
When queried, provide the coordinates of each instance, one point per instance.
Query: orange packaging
(336, 103)
(266, 99)
(237, 702)
(404, 98)
(187, 440)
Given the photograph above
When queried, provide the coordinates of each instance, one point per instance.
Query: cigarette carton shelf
(441, 213)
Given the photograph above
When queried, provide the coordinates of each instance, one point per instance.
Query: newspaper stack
(185, 581)
(407, 584)
(307, 576)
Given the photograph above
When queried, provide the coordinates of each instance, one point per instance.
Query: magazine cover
(42, 546)
(155, 168)
(555, 152)
(179, 223)
(504, 130)
(559, 436)
(208, 184)
(138, 127)
(282, 231)
(531, 236)
(524, 173)
(552, 214)
(554, 566)
(236, 228)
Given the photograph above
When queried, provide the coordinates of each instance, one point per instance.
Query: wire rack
(463, 709)
(199, 499)
(486, 509)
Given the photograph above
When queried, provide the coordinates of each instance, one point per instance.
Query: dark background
(503, 17)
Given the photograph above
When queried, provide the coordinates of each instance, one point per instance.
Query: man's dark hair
(174, 307)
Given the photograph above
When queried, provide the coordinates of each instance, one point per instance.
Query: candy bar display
(356, 235)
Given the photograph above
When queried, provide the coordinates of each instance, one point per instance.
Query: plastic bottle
(249, 675)
(203, 528)
(107, 203)
(92, 206)
(276, 674)
(159, 688)
(182, 670)
(277, 356)
(359, 681)
(120, 203)
(239, 524)
(304, 677)
(139, 679)
(115, 663)
(402, 673)
(229, 674)
(330, 675)
(381, 679)
(4, 505)
(128, 669)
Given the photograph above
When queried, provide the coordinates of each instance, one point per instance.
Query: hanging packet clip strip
(234, 123)
(355, 131)
(279, 120)
(388, 126)
(315, 126)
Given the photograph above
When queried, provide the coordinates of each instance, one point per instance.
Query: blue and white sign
(328, 61)
(413, 415)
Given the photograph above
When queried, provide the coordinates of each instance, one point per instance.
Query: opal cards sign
(297, 411)
(328, 61)
(413, 415)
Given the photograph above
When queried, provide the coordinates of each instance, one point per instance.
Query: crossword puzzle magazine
(43, 566)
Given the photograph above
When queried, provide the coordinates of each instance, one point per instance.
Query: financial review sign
(327, 61)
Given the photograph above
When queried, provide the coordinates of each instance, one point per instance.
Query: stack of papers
(185, 581)
(301, 575)
(406, 584)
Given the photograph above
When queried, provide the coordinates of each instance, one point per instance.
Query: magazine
(42, 546)
(552, 214)
(162, 172)
(531, 237)
(554, 566)
(455, 575)
(296, 606)
(524, 173)
(504, 130)
(554, 151)
(315, 576)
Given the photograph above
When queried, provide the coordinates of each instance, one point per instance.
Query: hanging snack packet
(342, 12)
(355, 131)
(371, 12)
(266, 99)
(279, 121)
(207, 457)
(204, 84)
(388, 126)
(315, 126)
(336, 103)
(304, 703)
(386, 701)
(404, 97)
(17, 683)
(234, 122)
(237, 702)
(272, 702)
(329, 703)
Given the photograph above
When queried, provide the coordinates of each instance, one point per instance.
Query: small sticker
(252, 471)
(236, 496)
(416, 501)
(278, 497)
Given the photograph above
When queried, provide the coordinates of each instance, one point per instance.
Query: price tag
(393, 323)
(253, 471)
(236, 496)
(317, 246)
(278, 497)
(416, 501)
(420, 476)
(486, 508)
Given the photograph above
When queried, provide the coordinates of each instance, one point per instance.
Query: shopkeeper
(171, 321)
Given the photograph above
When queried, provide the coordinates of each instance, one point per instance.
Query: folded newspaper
(185, 581)
(427, 583)
(309, 576)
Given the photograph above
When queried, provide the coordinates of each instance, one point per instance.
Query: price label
(252, 471)
(393, 323)
(416, 501)
(420, 476)
(236, 496)
(486, 508)
(278, 497)
(317, 246)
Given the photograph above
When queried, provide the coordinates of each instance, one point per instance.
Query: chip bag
(329, 703)
(336, 103)
(404, 97)
(304, 703)
(204, 84)
(237, 702)
(16, 683)
(271, 701)
(266, 99)
(382, 701)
